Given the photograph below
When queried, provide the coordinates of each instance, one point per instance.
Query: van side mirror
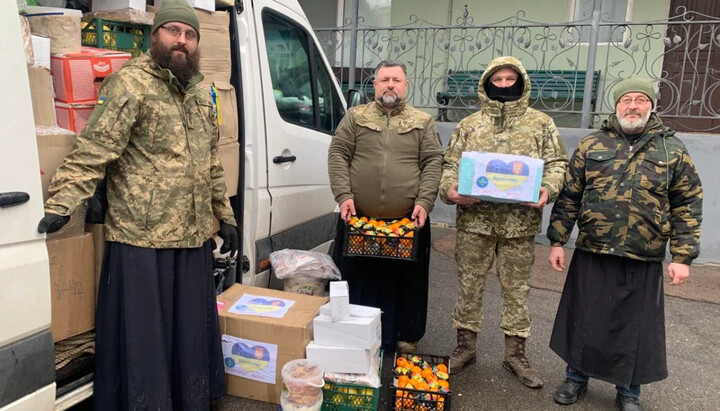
(356, 97)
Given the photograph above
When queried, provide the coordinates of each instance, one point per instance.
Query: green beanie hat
(176, 10)
(635, 84)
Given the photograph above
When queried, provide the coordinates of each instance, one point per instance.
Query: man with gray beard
(385, 163)
(631, 186)
(154, 134)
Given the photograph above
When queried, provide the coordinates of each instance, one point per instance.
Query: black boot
(569, 392)
(626, 403)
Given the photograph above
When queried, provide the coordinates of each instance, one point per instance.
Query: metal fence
(681, 54)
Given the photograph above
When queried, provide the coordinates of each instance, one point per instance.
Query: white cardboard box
(208, 5)
(355, 310)
(332, 358)
(357, 332)
(103, 5)
(339, 301)
(500, 177)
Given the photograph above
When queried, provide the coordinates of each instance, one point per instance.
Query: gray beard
(636, 126)
(390, 101)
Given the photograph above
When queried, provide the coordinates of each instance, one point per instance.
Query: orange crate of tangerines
(421, 382)
(368, 237)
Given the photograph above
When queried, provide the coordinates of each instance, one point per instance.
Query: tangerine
(442, 368)
(427, 373)
(416, 369)
(402, 362)
(402, 381)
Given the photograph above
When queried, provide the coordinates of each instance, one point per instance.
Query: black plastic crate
(359, 244)
(408, 399)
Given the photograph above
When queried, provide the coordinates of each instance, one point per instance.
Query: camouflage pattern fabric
(505, 128)
(629, 200)
(157, 143)
(475, 254)
(386, 163)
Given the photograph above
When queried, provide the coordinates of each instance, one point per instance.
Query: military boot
(464, 354)
(518, 364)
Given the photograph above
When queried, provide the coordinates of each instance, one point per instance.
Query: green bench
(461, 87)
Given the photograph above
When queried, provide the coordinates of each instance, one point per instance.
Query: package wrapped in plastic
(300, 263)
(126, 15)
(27, 41)
(370, 379)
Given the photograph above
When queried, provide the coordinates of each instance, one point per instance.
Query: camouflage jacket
(628, 200)
(505, 128)
(387, 163)
(157, 143)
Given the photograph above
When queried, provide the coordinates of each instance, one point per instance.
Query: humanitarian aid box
(500, 177)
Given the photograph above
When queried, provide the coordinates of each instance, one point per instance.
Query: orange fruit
(422, 385)
(444, 383)
(416, 369)
(442, 367)
(402, 381)
(402, 362)
(427, 373)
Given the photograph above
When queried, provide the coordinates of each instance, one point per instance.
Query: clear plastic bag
(300, 263)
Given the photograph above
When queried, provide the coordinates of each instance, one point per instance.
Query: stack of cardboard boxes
(347, 337)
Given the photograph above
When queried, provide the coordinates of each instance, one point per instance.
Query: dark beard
(182, 69)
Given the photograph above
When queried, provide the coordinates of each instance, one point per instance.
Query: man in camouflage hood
(384, 162)
(153, 134)
(489, 231)
(630, 186)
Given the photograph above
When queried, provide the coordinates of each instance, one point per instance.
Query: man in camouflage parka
(153, 134)
(385, 162)
(631, 186)
(489, 231)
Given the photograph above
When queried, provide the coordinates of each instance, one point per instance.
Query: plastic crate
(351, 397)
(359, 244)
(421, 400)
(116, 35)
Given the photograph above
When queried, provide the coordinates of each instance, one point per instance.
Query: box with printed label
(78, 76)
(357, 332)
(500, 177)
(262, 330)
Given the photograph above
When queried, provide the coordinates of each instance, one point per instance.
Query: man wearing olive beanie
(630, 186)
(153, 136)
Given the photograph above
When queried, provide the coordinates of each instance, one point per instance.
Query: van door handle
(284, 159)
(13, 198)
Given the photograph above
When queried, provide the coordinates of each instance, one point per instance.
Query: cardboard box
(208, 5)
(339, 302)
(333, 358)
(500, 177)
(355, 310)
(73, 116)
(53, 145)
(72, 286)
(61, 26)
(98, 232)
(101, 5)
(230, 159)
(78, 76)
(357, 332)
(215, 59)
(41, 51)
(289, 335)
(41, 93)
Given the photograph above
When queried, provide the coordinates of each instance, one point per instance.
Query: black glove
(230, 238)
(52, 222)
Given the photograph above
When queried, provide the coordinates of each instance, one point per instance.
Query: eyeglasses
(640, 101)
(190, 35)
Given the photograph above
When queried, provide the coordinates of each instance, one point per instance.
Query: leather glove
(230, 238)
(52, 222)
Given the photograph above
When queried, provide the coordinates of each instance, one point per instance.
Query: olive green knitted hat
(635, 84)
(176, 10)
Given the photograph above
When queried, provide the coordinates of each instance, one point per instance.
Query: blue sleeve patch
(101, 100)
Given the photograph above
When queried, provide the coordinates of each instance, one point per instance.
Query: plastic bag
(300, 263)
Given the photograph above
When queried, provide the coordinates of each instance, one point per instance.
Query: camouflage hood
(511, 108)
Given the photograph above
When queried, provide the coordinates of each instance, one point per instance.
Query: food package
(62, 26)
(301, 263)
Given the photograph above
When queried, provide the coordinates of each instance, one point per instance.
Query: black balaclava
(505, 94)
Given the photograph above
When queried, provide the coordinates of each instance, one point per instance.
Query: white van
(288, 104)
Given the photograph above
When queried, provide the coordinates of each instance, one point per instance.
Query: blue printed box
(500, 177)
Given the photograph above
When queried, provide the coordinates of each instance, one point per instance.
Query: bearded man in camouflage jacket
(489, 231)
(154, 134)
(630, 186)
